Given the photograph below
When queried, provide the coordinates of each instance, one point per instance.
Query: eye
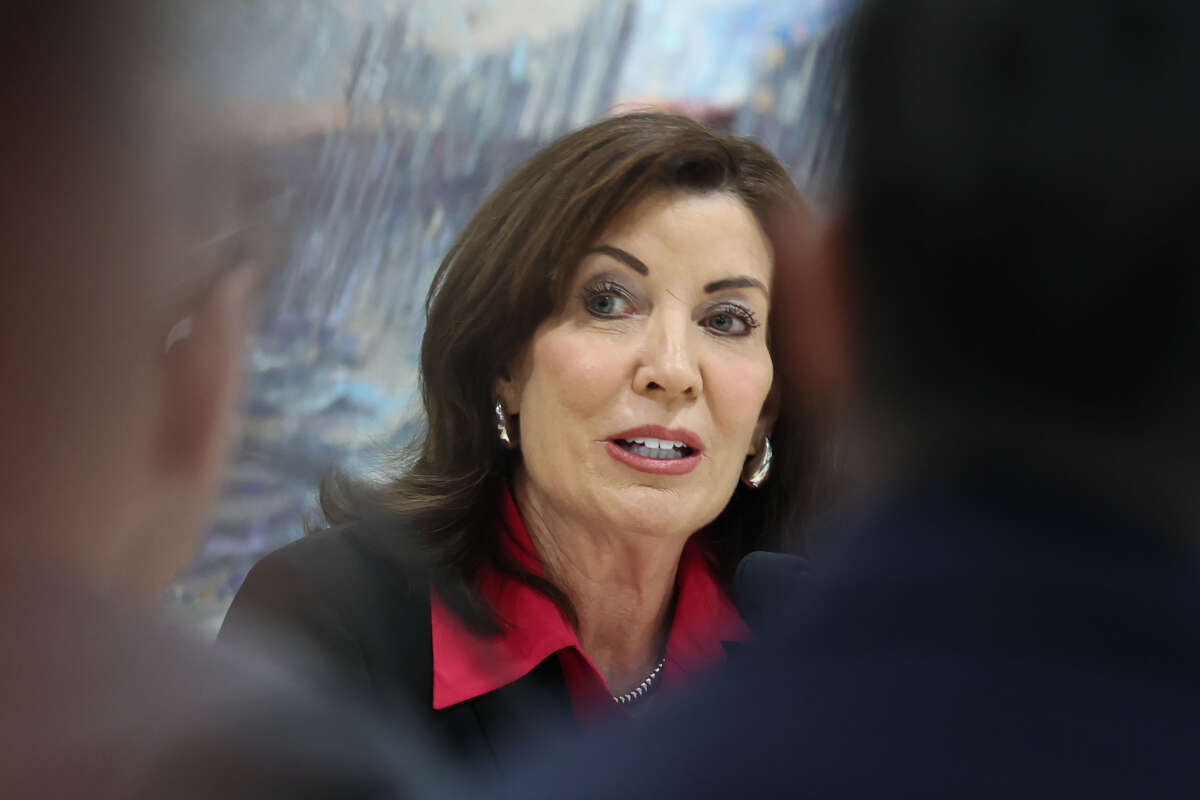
(606, 300)
(724, 323)
(730, 320)
(603, 304)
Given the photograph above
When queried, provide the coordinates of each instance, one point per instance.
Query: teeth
(649, 447)
(654, 452)
(657, 444)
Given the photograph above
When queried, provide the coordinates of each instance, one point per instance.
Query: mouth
(657, 450)
(649, 447)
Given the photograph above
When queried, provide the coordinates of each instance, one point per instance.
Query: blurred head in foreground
(125, 294)
(123, 312)
(1017, 238)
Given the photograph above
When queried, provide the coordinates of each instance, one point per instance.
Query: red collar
(466, 665)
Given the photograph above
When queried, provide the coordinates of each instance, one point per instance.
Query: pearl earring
(761, 466)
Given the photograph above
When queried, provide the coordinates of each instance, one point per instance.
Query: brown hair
(504, 275)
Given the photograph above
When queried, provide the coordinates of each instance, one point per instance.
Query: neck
(622, 585)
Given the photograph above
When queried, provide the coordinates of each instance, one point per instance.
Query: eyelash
(610, 289)
(741, 313)
(603, 289)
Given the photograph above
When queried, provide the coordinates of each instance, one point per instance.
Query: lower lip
(655, 466)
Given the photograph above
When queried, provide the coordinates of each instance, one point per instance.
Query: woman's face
(640, 399)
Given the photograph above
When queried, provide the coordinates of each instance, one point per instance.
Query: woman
(597, 382)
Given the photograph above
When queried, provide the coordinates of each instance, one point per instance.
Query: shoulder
(162, 710)
(345, 562)
(353, 593)
(254, 718)
(355, 543)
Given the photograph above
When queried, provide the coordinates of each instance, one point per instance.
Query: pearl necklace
(642, 688)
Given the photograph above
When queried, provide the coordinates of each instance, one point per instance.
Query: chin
(659, 511)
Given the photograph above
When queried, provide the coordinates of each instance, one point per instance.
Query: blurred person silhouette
(1012, 293)
(120, 345)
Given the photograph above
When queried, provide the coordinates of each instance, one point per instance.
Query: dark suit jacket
(977, 636)
(366, 607)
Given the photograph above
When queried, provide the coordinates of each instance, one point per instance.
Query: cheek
(738, 390)
(573, 376)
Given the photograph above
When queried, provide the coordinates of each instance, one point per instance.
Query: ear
(508, 395)
(202, 384)
(510, 385)
(204, 381)
(766, 419)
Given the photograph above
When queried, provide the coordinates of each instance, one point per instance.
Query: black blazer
(366, 608)
(346, 592)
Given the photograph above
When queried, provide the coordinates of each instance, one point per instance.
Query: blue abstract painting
(386, 124)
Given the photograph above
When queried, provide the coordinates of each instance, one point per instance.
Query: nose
(668, 367)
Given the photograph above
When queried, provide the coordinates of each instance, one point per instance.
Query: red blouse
(466, 665)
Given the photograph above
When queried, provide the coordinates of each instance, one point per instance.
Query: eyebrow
(740, 282)
(637, 265)
(628, 259)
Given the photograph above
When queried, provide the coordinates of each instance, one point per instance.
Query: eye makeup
(606, 298)
(741, 319)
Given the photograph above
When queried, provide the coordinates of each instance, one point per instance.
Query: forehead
(703, 236)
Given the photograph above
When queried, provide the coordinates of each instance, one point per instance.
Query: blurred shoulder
(167, 717)
(277, 734)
